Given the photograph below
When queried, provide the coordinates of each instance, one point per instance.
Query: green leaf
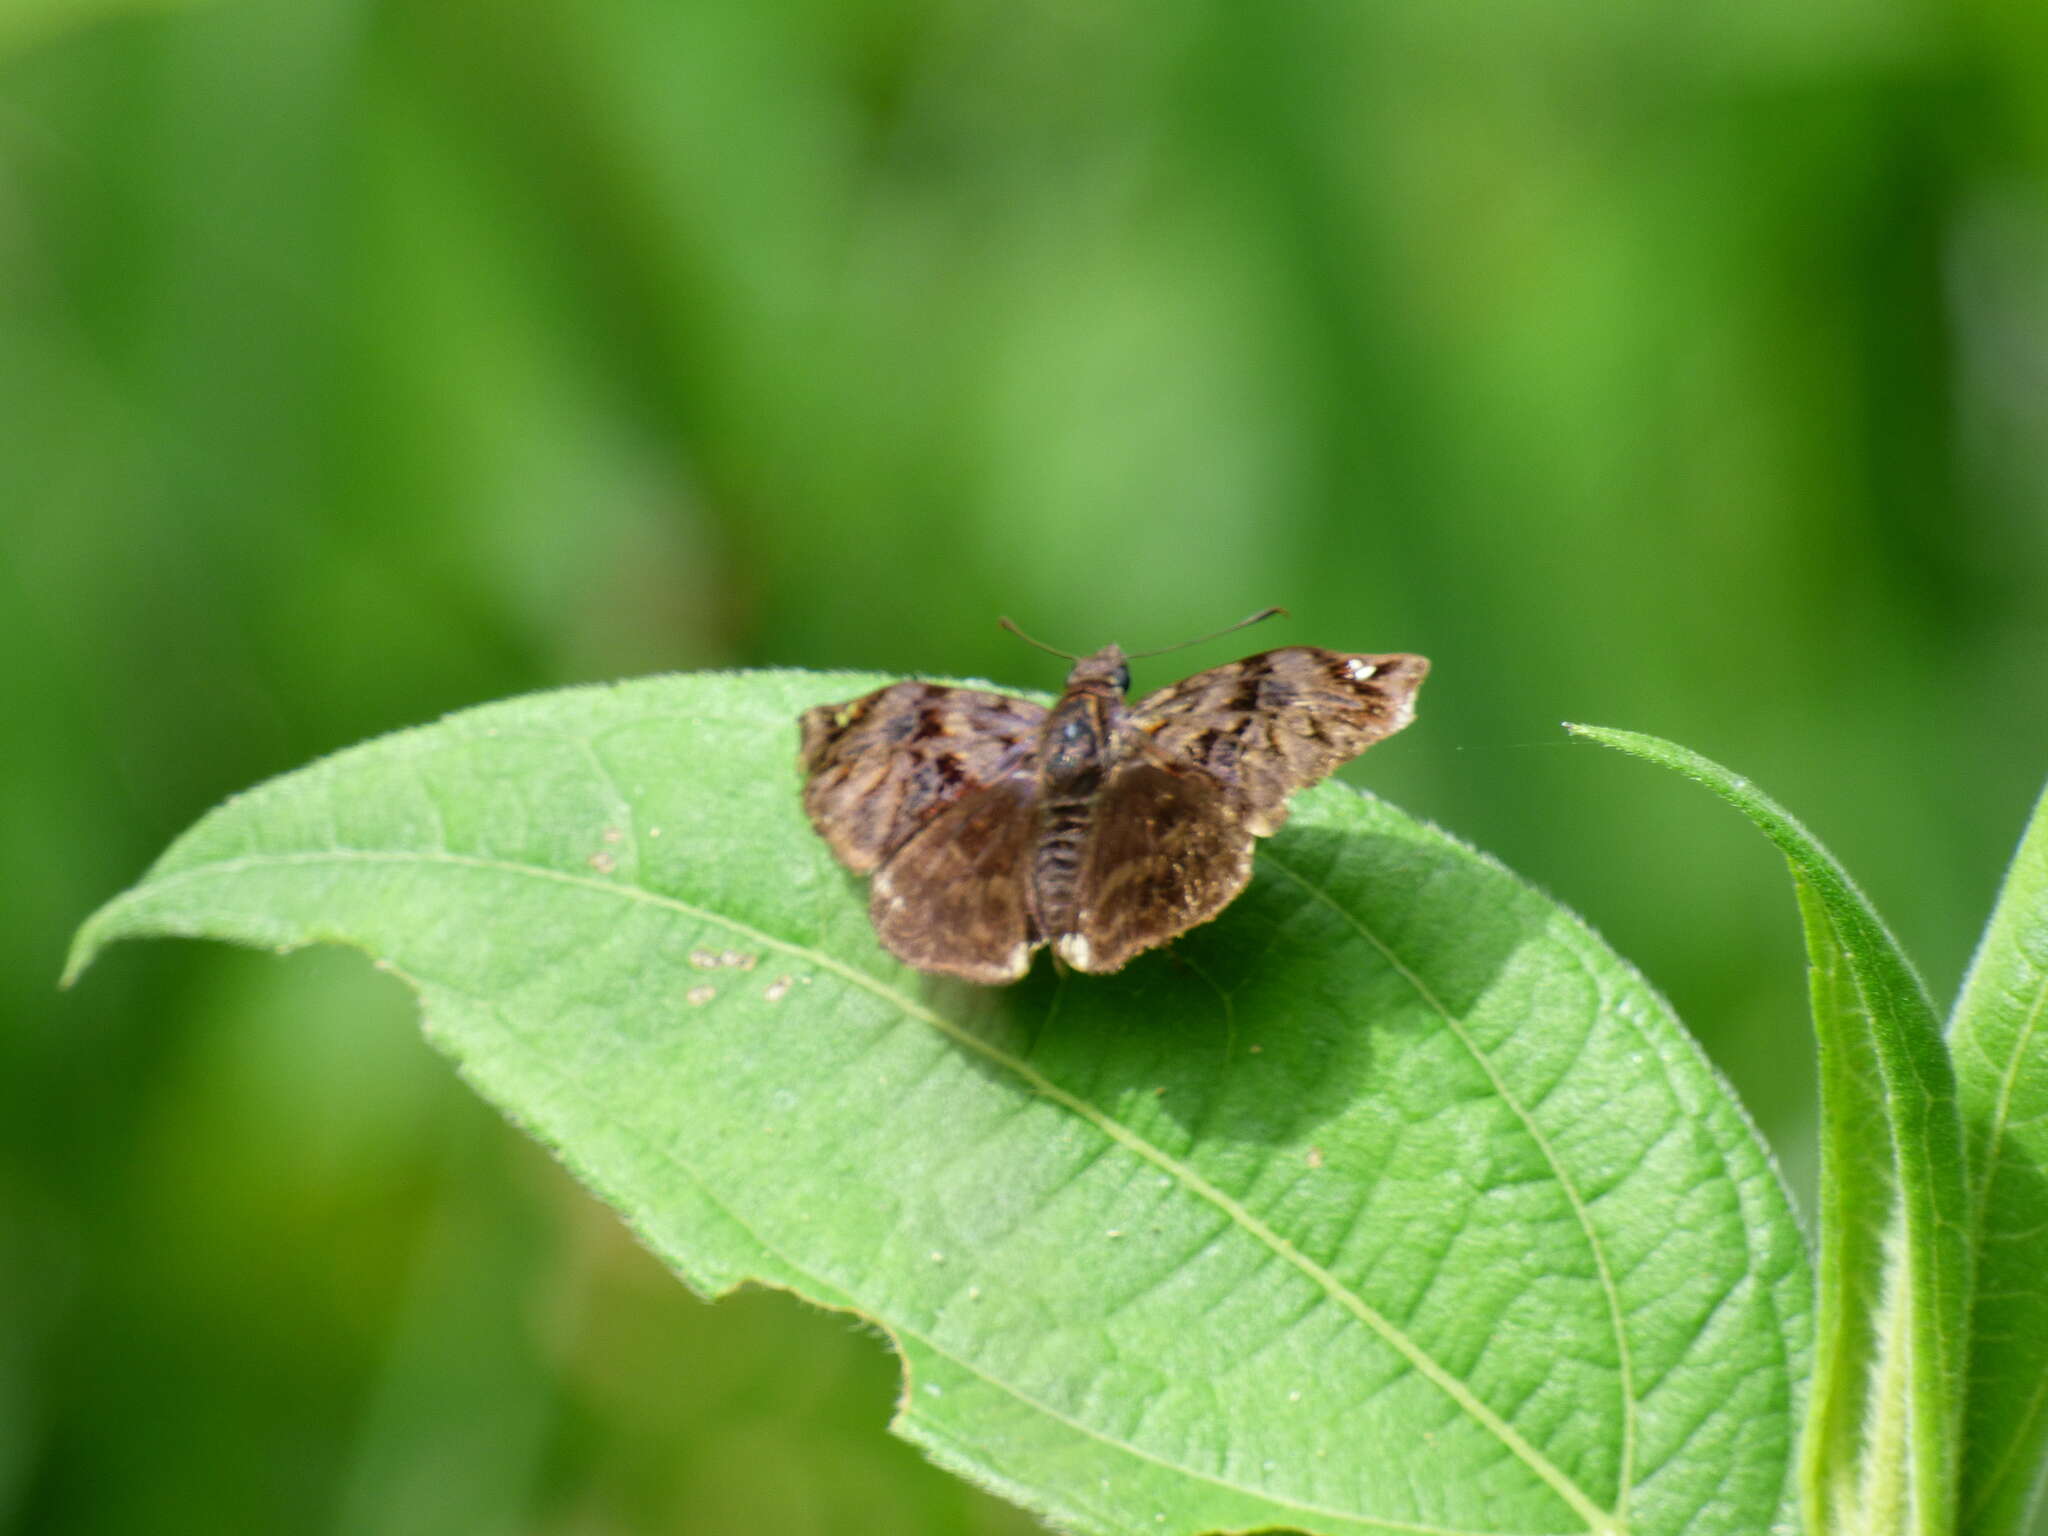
(1884, 1423)
(2000, 1039)
(1390, 1202)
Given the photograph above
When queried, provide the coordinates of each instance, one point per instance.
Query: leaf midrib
(2018, 1433)
(826, 1284)
(1854, 929)
(1598, 1520)
(1609, 1288)
(1994, 1147)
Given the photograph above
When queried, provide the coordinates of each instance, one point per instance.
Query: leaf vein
(1597, 1519)
(824, 1284)
(1610, 1289)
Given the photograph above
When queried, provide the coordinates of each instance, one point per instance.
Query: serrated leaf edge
(1599, 1522)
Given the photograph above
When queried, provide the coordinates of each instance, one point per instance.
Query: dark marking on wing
(878, 768)
(1277, 722)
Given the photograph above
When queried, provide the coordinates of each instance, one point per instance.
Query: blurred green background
(1677, 368)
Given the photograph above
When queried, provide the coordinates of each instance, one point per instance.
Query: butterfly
(994, 826)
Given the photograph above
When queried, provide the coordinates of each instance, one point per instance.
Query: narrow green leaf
(1390, 1202)
(1884, 1423)
(2000, 1038)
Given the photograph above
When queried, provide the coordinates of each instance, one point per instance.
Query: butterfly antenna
(1228, 629)
(1013, 629)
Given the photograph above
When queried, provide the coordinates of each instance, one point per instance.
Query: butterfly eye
(1122, 679)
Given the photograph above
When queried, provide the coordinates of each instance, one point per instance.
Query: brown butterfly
(994, 826)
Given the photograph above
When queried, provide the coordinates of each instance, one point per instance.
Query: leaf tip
(93, 935)
(1606, 735)
(85, 944)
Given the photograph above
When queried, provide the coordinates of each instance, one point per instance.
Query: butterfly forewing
(881, 766)
(1277, 722)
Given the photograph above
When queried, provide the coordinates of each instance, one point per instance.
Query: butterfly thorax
(1074, 750)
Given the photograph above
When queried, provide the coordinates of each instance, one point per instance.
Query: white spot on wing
(1358, 669)
(1076, 951)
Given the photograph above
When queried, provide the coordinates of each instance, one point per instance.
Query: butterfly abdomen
(1056, 862)
(1072, 754)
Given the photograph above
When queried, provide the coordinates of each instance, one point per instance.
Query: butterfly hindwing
(954, 897)
(1166, 850)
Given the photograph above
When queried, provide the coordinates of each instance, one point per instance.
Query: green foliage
(1390, 1201)
(1884, 1425)
(2000, 1037)
(1929, 1411)
(359, 362)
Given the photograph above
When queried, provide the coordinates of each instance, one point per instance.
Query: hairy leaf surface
(1390, 1201)
(1883, 1436)
(2000, 1039)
